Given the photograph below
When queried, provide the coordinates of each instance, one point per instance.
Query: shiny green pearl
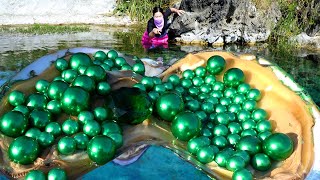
(210, 125)
(242, 174)
(278, 146)
(33, 133)
(185, 126)
(16, 98)
(232, 116)
(42, 85)
(109, 62)
(200, 71)
(233, 77)
(117, 138)
(188, 98)
(82, 141)
(103, 88)
(218, 86)
(126, 67)
(212, 117)
(206, 132)
(239, 98)
(222, 156)
(234, 163)
(57, 174)
(213, 100)
(244, 115)
(45, 139)
(248, 124)
(169, 105)
(61, 64)
(215, 64)
(69, 75)
(251, 144)
(58, 78)
(203, 97)
(233, 139)
(101, 149)
(225, 101)
(74, 100)
(153, 95)
(91, 128)
(262, 136)
(13, 124)
(85, 82)
(85, 116)
(35, 175)
(194, 91)
(110, 127)
(235, 108)
(56, 89)
(216, 94)
(180, 89)
(23, 109)
(39, 118)
(220, 130)
(248, 132)
(243, 88)
(207, 154)
(100, 55)
(139, 68)
(193, 105)
(201, 115)
(222, 118)
(23, 150)
(234, 128)
(229, 92)
(54, 107)
(254, 94)
(207, 107)
(168, 86)
(156, 80)
(261, 162)
(140, 86)
(259, 114)
(249, 105)
(100, 113)
(205, 88)
(97, 62)
(82, 69)
(66, 145)
(188, 74)
(186, 83)
(195, 144)
(96, 72)
(147, 82)
(197, 81)
(120, 61)
(53, 128)
(70, 127)
(174, 79)
(114, 69)
(112, 54)
(244, 155)
(106, 67)
(263, 125)
(79, 59)
(210, 79)
(160, 88)
(220, 141)
(220, 108)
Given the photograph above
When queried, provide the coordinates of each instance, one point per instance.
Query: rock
(306, 41)
(224, 21)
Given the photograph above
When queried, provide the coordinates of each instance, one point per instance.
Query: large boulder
(224, 21)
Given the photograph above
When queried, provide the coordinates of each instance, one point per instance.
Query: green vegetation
(44, 29)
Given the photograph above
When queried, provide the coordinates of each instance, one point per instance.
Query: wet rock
(306, 41)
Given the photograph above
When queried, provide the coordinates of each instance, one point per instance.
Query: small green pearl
(85, 116)
(70, 127)
(112, 54)
(197, 81)
(79, 59)
(248, 132)
(81, 69)
(66, 146)
(97, 62)
(156, 80)
(215, 64)
(69, 75)
(222, 156)
(263, 125)
(218, 86)
(201, 115)
(45, 139)
(232, 116)
(222, 118)
(210, 125)
(56, 89)
(53, 128)
(278, 146)
(254, 94)
(16, 98)
(216, 94)
(110, 127)
(251, 144)
(244, 154)
(100, 55)
(185, 126)
(100, 113)
(205, 88)
(242, 174)
(120, 61)
(259, 114)
(213, 100)
(203, 97)
(57, 174)
(235, 108)
(249, 105)
(169, 105)
(194, 91)
(206, 132)
(91, 128)
(229, 92)
(207, 154)
(188, 74)
(35, 175)
(140, 86)
(186, 83)
(243, 88)
(234, 163)
(126, 67)
(262, 136)
(225, 101)
(233, 139)
(159, 88)
(261, 162)
(200, 71)
(101, 149)
(58, 78)
(61, 64)
(42, 85)
(139, 68)
(220, 141)
(103, 88)
(33, 133)
(96, 72)
(244, 115)
(248, 124)
(210, 79)
(234, 128)
(54, 107)
(220, 130)
(195, 144)
(239, 98)
(109, 62)
(23, 109)
(188, 98)
(168, 86)
(180, 89)
(39, 118)
(220, 108)
(82, 141)
(153, 95)
(117, 138)
(147, 82)
(233, 77)
(207, 107)
(174, 79)
(193, 105)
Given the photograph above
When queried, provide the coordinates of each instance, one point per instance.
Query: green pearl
(120, 61)
(114, 69)
(169, 105)
(206, 132)
(82, 141)
(117, 138)
(239, 98)
(58, 78)
(174, 79)
(242, 174)
(126, 67)
(139, 68)
(74, 100)
(147, 82)
(39, 118)
(207, 154)
(233, 77)
(96, 72)
(33, 133)
(185, 126)
(85, 82)
(69, 75)
(140, 86)
(220, 130)
(233, 139)
(201, 115)
(200, 71)
(45, 139)
(188, 74)
(248, 132)
(234, 128)
(251, 144)
(259, 114)
(97, 62)
(234, 163)
(193, 105)
(13, 124)
(36, 101)
(188, 98)
(254, 94)
(42, 85)
(35, 175)
(186, 83)
(222, 156)
(54, 107)
(262, 136)
(235, 108)
(263, 126)
(232, 116)
(229, 92)
(108, 68)
(210, 79)
(91, 128)
(79, 59)
(244, 115)
(216, 94)
(205, 88)
(100, 113)
(70, 127)
(197, 81)
(110, 127)
(57, 174)
(109, 62)
(23, 109)
(112, 54)
(218, 86)
(85, 116)
(207, 107)
(56, 89)
(210, 125)
(220, 141)
(66, 145)
(195, 144)
(243, 88)
(278, 146)
(261, 162)
(215, 64)
(160, 88)
(225, 101)
(101, 149)
(220, 108)
(61, 64)
(53, 128)
(156, 80)
(222, 118)
(100, 55)
(213, 100)
(168, 86)
(244, 154)
(194, 91)
(203, 97)
(249, 105)
(23, 150)
(248, 124)
(153, 95)
(82, 69)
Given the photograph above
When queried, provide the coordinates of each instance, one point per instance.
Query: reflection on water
(18, 50)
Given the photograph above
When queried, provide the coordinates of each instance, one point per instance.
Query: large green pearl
(185, 126)
(206, 154)
(85, 82)
(261, 162)
(235, 162)
(147, 82)
(233, 77)
(229, 92)
(220, 141)
(117, 138)
(222, 118)
(244, 154)
(42, 85)
(139, 68)
(249, 105)
(263, 125)
(242, 174)
(215, 64)
(33, 133)
(57, 174)
(53, 128)
(186, 83)
(259, 114)
(74, 100)
(96, 72)
(112, 54)
(85, 116)
(36, 101)
(56, 89)
(248, 124)
(39, 118)
(70, 127)
(103, 88)
(61, 64)
(234, 128)
(193, 105)
(278, 146)
(169, 105)
(188, 74)
(54, 107)
(197, 81)
(35, 175)
(220, 130)
(210, 79)
(222, 156)
(45, 139)
(207, 107)
(109, 127)
(262, 136)
(69, 75)
(254, 94)
(91, 128)
(100, 113)
(100, 55)
(82, 141)
(233, 139)
(195, 144)
(13, 124)
(101, 149)
(66, 145)
(174, 79)
(23, 109)
(234, 108)
(23, 150)
(79, 59)
(251, 144)
(205, 88)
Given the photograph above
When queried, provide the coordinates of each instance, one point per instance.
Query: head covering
(159, 22)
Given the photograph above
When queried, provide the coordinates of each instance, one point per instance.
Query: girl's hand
(180, 12)
(156, 31)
